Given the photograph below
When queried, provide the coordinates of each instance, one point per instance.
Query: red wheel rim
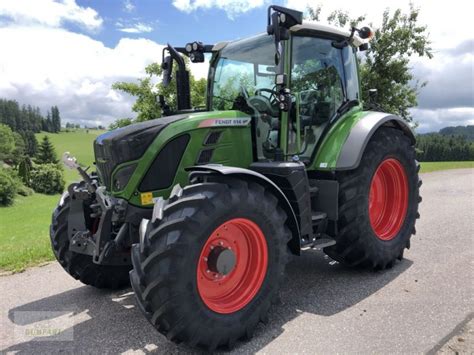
(388, 199)
(231, 290)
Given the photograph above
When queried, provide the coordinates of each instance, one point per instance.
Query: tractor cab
(294, 81)
(321, 78)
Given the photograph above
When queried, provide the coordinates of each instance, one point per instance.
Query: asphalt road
(416, 307)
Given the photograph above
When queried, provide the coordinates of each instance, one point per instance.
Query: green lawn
(78, 143)
(427, 167)
(24, 235)
(24, 238)
(24, 227)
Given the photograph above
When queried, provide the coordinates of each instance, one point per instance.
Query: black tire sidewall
(275, 258)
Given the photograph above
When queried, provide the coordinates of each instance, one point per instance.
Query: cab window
(317, 77)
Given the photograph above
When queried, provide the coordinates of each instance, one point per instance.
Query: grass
(24, 227)
(78, 143)
(427, 167)
(24, 238)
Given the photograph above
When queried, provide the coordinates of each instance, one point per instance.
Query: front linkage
(99, 225)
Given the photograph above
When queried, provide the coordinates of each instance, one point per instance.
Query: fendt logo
(214, 122)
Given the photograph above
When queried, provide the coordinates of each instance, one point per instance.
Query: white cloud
(433, 120)
(136, 28)
(128, 6)
(232, 8)
(72, 71)
(50, 13)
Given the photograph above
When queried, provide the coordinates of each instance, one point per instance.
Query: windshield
(243, 67)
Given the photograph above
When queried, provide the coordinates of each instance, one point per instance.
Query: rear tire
(170, 279)
(81, 266)
(378, 203)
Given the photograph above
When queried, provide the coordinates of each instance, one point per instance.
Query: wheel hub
(388, 199)
(232, 265)
(221, 260)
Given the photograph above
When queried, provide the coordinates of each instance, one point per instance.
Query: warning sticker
(146, 198)
(220, 122)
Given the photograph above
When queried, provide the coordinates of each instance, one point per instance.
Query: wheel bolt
(221, 244)
(208, 271)
(205, 259)
(212, 247)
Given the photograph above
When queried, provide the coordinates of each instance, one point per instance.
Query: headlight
(122, 176)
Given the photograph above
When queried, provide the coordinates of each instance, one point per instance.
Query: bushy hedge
(47, 179)
(8, 188)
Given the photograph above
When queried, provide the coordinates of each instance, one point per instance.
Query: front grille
(105, 165)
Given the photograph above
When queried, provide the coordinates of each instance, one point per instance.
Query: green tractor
(201, 209)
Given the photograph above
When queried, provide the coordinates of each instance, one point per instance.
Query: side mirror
(167, 66)
(279, 23)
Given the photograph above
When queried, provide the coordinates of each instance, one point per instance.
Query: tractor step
(319, 243)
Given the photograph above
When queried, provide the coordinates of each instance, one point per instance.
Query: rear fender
(251, 175)
(360, 135)
(344, 145)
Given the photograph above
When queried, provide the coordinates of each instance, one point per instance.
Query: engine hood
(127, 144)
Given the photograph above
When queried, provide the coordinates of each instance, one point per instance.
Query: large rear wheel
(378, 203)
(207, 269)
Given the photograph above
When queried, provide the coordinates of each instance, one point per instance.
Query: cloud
(49, 13)
(138, 27)
(232, 8)
(449, 82)
(434, 120)
(72, 71)
(128, 6)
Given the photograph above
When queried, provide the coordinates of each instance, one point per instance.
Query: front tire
(81, 266)
(378, 203)
(207, 271)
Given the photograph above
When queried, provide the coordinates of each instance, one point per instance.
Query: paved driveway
(325, 308)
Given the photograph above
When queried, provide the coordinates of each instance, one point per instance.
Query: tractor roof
(316, 26)
(307, 25)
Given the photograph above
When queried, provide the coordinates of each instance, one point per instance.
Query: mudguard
(263, 180)
(343, 147)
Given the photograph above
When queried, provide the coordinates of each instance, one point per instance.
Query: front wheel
(207, 271)
(81, 266)
(378, 203)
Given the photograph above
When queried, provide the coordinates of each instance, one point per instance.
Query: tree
(20, 149)
(385, 66)
(121, 122)
(7, 142)
(31, 144)
(146, 105)
(55, 120)
(24, 170)
(46, 153)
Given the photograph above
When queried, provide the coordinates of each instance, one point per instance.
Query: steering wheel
(272, 97)
(263, 104)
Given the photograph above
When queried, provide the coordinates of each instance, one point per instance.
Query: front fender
(263, 180)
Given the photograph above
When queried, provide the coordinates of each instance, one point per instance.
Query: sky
(69, 52)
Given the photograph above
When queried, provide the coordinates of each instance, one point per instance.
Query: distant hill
(464, 131)
(449, 144)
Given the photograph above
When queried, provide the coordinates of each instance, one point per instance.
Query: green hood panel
(234, 148)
